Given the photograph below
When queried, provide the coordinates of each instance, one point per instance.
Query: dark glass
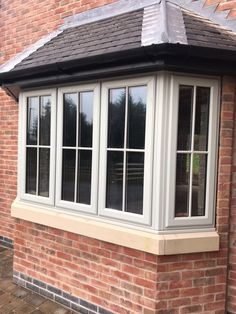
(84, 177)
(185, 117)
(31, 170)
(44, 165)
(32, 120)
(136, 117)
(85, 134)
(68, 175)
(116, 118)
(114, 180)
(199, 184)
(182, 185)
(69, 119)
(134, 183)
(45, 120)
(202, 118)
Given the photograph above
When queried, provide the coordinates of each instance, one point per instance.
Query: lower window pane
(44, 161)
(84, 177)
(114, 180)
(134, 183)
(199, 184)
(182, 185)
(31, 170)
(68, 175)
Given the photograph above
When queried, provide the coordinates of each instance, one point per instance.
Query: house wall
(115, 278)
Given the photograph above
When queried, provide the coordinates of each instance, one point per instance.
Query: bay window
(140, 151)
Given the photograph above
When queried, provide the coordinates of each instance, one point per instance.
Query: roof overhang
(169, 57)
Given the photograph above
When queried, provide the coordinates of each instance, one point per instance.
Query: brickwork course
(113, 277)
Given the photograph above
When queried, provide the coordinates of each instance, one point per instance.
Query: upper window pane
(185, 117)
(136, 117)
(116, 117)
(32, 120)
(85, 128)
(44, 121)
(69, 119)
(201, 119)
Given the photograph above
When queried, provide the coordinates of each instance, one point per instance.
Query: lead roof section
(157, 23)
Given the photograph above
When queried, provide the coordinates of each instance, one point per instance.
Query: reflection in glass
(182, 185)
(136, 117)
(116, 118)
(44, 120)
(85, 119)
(114, 180)
(68, 175)
(69, 119)
(201, 119)
(185, 117)
(84, 176)
(199, 184)
(44, 160)
(31, 170)
(134, 183)
(32, 120)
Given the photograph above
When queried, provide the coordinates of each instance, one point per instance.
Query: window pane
(114, 180)
(84, 176)
(116, 118)
(202, 117)
(86, 119)
(182, 185)
(68, 175)
(31, 170)
(199, 184)
(44, 161)
(45, 120)
(136, 117)
(32, 120)
(69, 119)
(185, 117)
(134, 183)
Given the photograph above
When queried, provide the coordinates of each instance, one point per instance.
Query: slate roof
(160, 22)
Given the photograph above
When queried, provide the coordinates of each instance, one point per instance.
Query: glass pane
(69, 119)
(185, 117)
(68, 175)
(86, 120)
(134, 183)
(136, 117)
(44, 161)
(31, 170)
(32, 120)
(45, 120)
(199, 184)
(114, 180)
(116, 118)
(182, 185)
(202, 117)
(84, 177)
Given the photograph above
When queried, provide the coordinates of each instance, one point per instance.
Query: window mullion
(37, 173)
(76, 149)
(192, 152)
(125, 157)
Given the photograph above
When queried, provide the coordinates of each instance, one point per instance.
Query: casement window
(139, 151)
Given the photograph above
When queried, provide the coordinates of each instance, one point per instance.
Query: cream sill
(165, 244)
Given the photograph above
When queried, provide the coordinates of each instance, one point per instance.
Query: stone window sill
(159, 244)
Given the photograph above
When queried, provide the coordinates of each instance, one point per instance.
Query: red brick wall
(117, 278)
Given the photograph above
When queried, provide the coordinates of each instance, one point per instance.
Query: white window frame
(22, 147)
(160, 153)
(170, 221)
(145, 218)
(92, 208)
